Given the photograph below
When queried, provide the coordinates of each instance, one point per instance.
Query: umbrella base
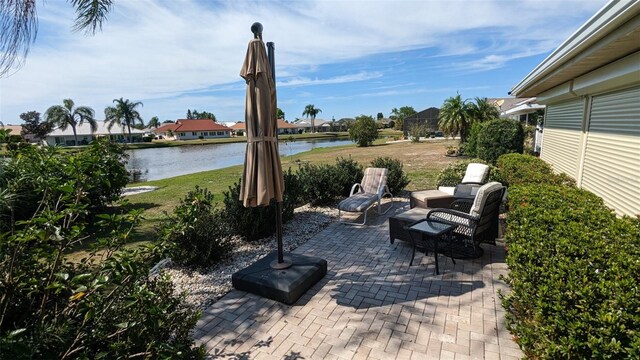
(283, 285)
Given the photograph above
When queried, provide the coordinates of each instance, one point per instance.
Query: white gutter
(607, 19)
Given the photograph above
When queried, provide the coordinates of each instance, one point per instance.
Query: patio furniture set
(450, 221)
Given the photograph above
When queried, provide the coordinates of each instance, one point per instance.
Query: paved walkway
(370, 305)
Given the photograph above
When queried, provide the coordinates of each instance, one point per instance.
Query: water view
(162, 163)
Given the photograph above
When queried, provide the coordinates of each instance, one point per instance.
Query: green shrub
(497, 137)
(574, 275)
(417, 131)
(397, 180)
(347, 172)
(258, 222)
(527, 169)
(34, 174)
(319, 184)
(471, 146)
(363, 131)
(105, 306)
(452, 175)
(197, 230)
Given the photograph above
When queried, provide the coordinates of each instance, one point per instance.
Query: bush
(574, 275)
(527, 169)
(363, 131)
(497, 137)
(197, 230)
(471, 146)
(34, 174)
(452, 175)
(105, 306)
(397, 180)
(319, 185)
(347, 172)
(418, 130)
(258, 222)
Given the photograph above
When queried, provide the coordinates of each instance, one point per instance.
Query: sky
(347, 58)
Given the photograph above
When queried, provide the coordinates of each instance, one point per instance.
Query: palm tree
(66, 115)
(454, 117)
(19, 26)
(312, 111)
(154, 122)
(124, 113)
(483, 110)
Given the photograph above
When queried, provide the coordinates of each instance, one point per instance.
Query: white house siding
(191, 135)
(612, 156)
(562, 135)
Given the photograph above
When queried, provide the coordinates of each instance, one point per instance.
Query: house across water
(189, 129)
(84, 134)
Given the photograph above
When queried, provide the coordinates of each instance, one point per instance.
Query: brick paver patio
(370, 305)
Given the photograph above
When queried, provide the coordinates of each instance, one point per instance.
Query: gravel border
(206, 286)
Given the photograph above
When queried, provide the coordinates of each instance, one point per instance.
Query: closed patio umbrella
(262, 178)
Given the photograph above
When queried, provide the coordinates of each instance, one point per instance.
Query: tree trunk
(75, 136)
(129, 128)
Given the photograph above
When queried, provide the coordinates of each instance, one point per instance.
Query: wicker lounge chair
(373, 188)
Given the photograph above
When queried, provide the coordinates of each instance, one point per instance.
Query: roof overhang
(611, 34)
(524, 109)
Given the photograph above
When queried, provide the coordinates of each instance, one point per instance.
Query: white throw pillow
(476, 173)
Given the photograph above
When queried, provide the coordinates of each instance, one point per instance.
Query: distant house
(428, 116)
(284, 128)
(85, 135)
(591, 87)
(522, 109)
(17, 130)
(189, 129)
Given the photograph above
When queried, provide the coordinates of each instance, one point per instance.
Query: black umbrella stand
(275, 276)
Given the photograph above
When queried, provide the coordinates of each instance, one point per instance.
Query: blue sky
(345, 57)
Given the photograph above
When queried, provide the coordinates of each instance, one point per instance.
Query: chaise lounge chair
(373, 188)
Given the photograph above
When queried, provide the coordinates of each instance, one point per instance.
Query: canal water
(162, 163)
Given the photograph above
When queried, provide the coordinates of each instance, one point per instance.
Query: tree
(380, 116)
(67, 115)
(398, 115)
(189, 114)
(34, 125)
(483, 110)
(363, 131)
(19, 26)
(168, 122)
(311, 111)
(124, 113)
(195, 114)
(280, 114)
(454, 117)
(154, 122)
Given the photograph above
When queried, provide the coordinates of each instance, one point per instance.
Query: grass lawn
(422, 163)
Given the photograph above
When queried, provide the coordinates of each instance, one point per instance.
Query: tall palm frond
(67, 115)
(483, 110)
(311, 111)
(454, 117)
(123, 113)
(19, 27)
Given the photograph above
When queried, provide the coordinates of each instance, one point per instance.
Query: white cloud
(159, 51)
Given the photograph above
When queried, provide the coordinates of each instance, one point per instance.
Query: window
(181, 134)
(220, 133)
(194, 133)
(206, 133)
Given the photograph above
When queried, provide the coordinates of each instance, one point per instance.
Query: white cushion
(476, 173)
(481, 197)
(447, 189)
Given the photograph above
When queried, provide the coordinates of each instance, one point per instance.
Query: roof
(508, 103)
(15, 129)
(612, 33)
(184, 125)
(85, 129)
(429, 113)
(281, 125)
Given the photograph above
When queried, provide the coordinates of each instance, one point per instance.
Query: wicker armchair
(477, 220)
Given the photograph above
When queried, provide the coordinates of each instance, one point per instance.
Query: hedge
(574, 275)
(527, 169)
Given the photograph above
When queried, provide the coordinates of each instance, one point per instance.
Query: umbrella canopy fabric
(262, 178)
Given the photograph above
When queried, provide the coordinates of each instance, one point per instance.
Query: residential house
(429, 117)
(189, 129)
(284, 128)
(525, 110)
(591, 87)
(117, 133)
(17, 130)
